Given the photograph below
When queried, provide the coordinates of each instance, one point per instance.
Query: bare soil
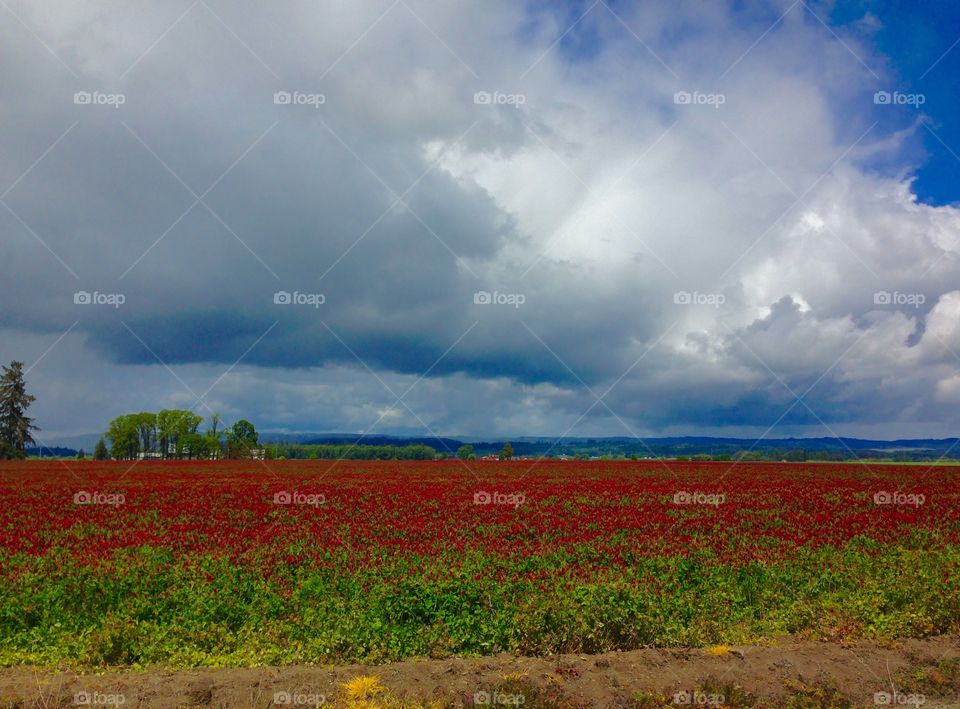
(773, 672)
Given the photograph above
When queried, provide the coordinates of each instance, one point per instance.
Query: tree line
(351, 451)
(174, 434)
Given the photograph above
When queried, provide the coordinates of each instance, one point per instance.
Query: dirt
(773, 672)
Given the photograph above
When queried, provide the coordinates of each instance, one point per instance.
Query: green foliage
(938, 678)
(194, 445)
(172, 433)
(151, 605)
(173, 427)
(241, 440)
(124, 438)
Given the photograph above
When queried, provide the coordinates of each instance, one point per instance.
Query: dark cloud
(699, 265)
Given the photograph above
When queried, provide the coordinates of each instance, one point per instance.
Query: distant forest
(425, 448)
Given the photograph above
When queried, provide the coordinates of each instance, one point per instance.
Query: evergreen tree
(100, 452)
(15, 425)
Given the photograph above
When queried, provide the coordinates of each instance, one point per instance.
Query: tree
(15, 425)
(171, 433)
(81, 454)
(241, 440)
(195, 445)
(100, 452)
(124, 437)
(173, 428)
(185, 430)
(465, 452)
(213, 443)
(146, 424)
(507, 451)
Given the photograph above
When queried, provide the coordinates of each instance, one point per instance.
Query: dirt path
(608, 680)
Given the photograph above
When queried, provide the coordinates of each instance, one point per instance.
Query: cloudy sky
(484, 218)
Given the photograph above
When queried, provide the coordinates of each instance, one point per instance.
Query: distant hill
(839, 448)
(668, 446)
(437, 443)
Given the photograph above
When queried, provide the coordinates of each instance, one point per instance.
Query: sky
(485, 218)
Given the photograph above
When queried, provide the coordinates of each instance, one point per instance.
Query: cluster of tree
(173, 433)
(349, 451)
(467, 452)
(15, 425)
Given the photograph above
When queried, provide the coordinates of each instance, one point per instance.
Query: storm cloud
(518, 218)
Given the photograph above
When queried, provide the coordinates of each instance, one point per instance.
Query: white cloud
(598, 198)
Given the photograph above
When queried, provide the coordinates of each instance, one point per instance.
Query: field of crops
(240, 563)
